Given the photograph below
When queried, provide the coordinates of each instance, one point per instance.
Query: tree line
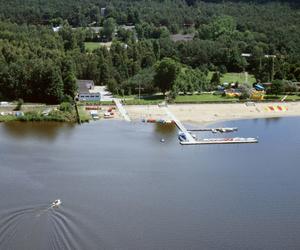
(40, 65)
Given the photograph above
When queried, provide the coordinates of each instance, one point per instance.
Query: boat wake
(41, 227)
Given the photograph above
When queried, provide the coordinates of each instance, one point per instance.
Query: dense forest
(38, 64)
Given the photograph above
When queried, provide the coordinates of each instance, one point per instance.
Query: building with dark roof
(85, 92)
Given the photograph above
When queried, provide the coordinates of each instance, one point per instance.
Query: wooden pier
(180, 126)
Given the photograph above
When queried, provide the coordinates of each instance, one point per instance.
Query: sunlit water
(122, 188)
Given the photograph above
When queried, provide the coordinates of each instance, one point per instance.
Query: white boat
(108, 115)
(56, 203)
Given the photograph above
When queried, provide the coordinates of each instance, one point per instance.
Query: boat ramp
(188, 136)
(121, 109)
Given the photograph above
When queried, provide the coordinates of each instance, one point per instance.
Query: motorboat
(56, 203)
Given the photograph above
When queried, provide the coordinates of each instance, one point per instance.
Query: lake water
(122, 188)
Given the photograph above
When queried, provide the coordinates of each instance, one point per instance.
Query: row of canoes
(161, 121)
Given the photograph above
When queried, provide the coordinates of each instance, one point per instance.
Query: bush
(31, 116)
(244, 96)
(19, 105)
(66, 107)
(289, 87)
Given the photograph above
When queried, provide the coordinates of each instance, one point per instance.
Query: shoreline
(204, 114)
(194, 114)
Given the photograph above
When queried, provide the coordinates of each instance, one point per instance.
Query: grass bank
(53, 116)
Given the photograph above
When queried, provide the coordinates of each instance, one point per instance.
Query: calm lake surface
(123, 189)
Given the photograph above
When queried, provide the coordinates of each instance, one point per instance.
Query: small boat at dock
(182, 137)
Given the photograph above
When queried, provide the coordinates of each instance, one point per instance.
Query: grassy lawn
(146, 100)
(156, 99)
(234, 77)
(279, 97)
(84, 115)
(203, 98)
(92, 46)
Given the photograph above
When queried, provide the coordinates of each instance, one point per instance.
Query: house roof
(85, 85)
(181, 37)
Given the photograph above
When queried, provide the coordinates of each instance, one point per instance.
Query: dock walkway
(122, 109)
(179, 125)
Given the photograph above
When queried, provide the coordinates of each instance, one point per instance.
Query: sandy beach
(210, 113)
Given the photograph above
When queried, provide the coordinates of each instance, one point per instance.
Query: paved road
(105, 94)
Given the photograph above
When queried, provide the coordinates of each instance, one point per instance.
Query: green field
(149, 100)
(234, 77)
(196, 98)
(92, 46)
(202, 98)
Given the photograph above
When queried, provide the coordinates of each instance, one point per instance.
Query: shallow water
(122, 188)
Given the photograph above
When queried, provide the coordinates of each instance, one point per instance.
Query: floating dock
(122, 109)
(187, 139)
(214, 130)
(236, 140)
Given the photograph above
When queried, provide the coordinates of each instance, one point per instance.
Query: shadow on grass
(153, 97)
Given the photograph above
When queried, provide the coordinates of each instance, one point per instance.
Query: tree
(54, 85)
(69, 79)
(166, 72)
(109, 26)
(277, 87)
(105, 73)
(215, 79)
(68, 36)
